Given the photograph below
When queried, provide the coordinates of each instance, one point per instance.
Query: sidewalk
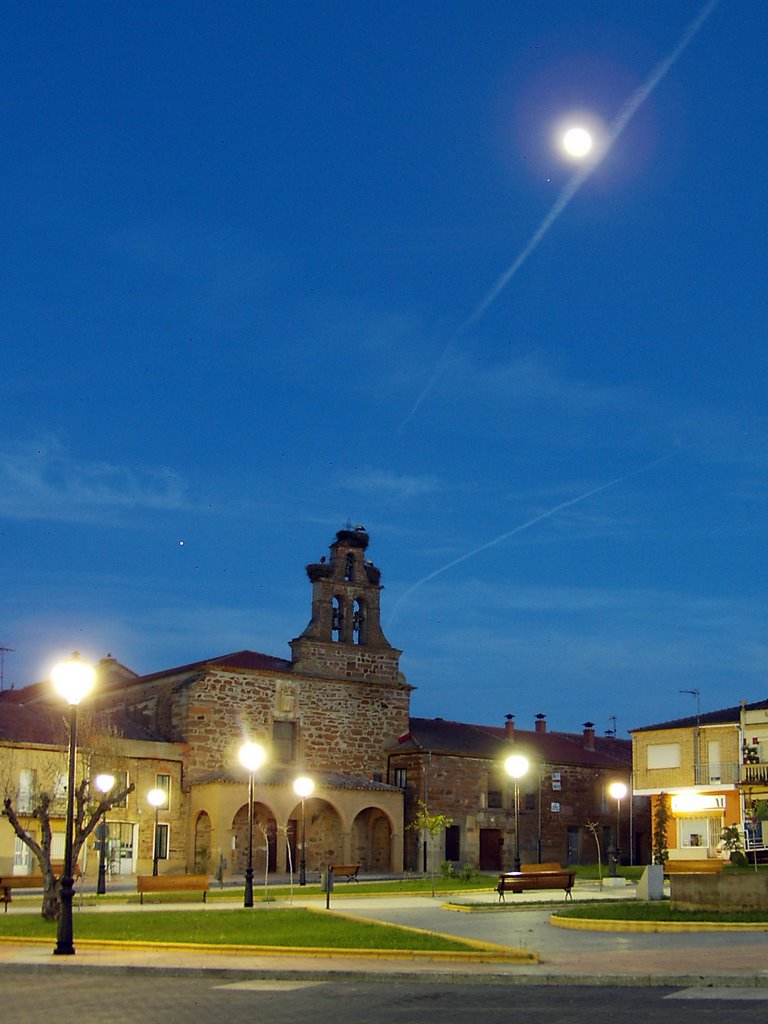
(724, 958)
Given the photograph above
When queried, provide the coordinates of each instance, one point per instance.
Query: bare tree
(86, 818)
(44, 803)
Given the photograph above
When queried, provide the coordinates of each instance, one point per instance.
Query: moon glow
(577, 142)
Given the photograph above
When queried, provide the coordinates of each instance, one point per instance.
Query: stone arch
(372, 839)
(265, 844)
(203, 852)
(325, 835)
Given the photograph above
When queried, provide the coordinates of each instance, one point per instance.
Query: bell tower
(344, 639)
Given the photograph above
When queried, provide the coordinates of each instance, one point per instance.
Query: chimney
(541, 723)
(509, 727)
(589, 735)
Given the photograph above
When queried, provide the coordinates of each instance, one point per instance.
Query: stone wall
(731, 890)
(340, 726)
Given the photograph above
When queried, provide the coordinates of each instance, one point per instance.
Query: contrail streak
(625, 115)
(526, 525)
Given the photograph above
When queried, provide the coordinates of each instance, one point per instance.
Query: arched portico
(360, 822)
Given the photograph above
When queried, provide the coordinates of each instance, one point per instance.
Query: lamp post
(73, 680)
(104, 784)
(157, 798)
(618, 791)
(303, 787)
(517, 766)
(252, 757)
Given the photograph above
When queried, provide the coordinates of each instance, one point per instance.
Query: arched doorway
(372, 840)
(203, 843)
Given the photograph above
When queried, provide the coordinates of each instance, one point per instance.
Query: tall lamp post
(517, 766)
(618, 791)
(303, 787)
(252, 757)
(73, 680)
(157, 798)
(104, 784)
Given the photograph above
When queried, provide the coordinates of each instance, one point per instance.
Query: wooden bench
(536, 876)
(10, 882)
(711, 866)
(350, 871)
(172, 883)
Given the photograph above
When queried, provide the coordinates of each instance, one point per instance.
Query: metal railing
(723, 773)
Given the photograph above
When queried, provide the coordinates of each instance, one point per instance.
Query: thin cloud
(41, 480)
(392, 486)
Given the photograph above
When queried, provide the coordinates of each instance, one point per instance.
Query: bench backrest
(540, 867)
(165, 883)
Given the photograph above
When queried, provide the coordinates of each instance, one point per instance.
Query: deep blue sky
(243, 246)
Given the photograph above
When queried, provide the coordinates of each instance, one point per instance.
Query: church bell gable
(344, 638)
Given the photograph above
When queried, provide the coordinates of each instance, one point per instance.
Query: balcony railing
(713, 774)
(754, 774)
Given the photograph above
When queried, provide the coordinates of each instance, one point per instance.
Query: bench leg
(568, 895)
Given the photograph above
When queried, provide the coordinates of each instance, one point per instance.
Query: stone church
(337, 711)
(323, 713)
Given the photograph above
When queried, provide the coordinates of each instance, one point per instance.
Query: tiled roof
(724, 716)
(47, 723)
(26, 724)
(489, 742)
(237, 661)
(285, 776)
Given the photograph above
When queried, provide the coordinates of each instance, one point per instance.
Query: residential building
(713, 767)
(564, 806)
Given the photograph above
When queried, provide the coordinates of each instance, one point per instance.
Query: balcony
(725, 773)
(754, 774)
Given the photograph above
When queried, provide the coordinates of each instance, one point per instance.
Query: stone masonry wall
(340, 726)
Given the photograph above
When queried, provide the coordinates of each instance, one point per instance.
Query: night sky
(272, 268)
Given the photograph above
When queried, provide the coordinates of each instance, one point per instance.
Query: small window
(494, 798)
(401, 777)
(453, 842)
(161, 842)
(163, 782)
(27, 786)
(530, 802)
(284, 742)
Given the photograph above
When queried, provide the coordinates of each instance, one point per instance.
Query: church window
(284, 742)
(349, 567)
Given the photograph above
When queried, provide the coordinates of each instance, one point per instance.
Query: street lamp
(73, 680)
(618, 791)
(157, 798)
(252, 757)
(104, 784)
(517, 766)
(303, 787)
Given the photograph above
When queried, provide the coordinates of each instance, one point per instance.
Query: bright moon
(577, 142)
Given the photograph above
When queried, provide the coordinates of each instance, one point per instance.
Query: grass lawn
(657, 911)
(274, 926)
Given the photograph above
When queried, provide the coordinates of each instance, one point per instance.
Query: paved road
(68, 998)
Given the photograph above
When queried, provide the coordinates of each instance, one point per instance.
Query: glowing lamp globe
(303, 787)
(516, 766)
(617, 790)
(252, 756)
(73, 679)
